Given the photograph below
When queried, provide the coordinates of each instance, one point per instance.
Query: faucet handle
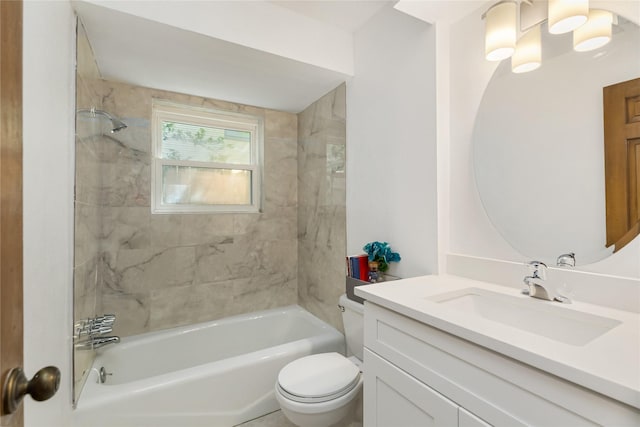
(538, 269)
(537, 264)
(105, 319)
(100, 330)
(82, 327)
(566, 260)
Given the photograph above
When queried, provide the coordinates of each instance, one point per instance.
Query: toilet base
(323, 419)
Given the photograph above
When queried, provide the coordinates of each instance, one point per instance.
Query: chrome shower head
(116, 124)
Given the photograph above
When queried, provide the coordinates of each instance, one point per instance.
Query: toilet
(321, 389)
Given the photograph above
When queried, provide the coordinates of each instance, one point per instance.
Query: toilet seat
(318, 378)
(319, 399)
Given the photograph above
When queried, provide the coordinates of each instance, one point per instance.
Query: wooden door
(622, 161)
(10, 196)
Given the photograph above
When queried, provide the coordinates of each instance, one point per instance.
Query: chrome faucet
(537, 287)
(96, 326)
(91, 328)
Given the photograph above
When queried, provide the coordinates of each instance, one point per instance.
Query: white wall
(49, 103)
(471, 232)
(391, 141)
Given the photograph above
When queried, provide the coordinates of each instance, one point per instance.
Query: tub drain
(102, 375)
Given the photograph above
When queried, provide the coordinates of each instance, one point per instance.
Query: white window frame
(167, 111)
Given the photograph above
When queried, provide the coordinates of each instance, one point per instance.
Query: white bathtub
(219, 373)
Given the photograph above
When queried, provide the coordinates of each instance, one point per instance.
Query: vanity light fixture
(595, 33)
(501, 30)
(528, 54)
(567, 15)
(511, 20)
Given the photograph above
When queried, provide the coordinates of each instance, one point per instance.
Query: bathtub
(219, 373)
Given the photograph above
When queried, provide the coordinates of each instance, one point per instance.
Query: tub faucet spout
(96, 342)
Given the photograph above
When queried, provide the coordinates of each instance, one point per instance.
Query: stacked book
(358, 267)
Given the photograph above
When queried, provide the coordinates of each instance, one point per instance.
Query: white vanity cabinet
(418, 375)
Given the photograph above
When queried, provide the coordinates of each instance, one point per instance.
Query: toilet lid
(318, 376)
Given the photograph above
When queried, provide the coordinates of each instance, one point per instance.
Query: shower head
(116, 124)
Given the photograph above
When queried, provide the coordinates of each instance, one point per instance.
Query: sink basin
(545, 318)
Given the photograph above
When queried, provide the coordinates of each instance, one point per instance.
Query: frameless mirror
(538, 146)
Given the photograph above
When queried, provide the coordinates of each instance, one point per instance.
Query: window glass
(197, 186)
(182, 141)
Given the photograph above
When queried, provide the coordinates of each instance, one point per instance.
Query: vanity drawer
(496, 388)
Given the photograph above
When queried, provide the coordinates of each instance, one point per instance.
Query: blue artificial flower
(381, 253)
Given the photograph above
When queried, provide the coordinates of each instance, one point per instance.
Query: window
(205, 160)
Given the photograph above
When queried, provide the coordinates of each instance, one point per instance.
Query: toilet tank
(353, 321)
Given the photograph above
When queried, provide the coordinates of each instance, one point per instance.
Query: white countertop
(610, 364)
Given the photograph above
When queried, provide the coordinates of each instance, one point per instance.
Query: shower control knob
(42, 386)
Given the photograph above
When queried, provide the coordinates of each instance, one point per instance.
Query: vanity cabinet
(416, 374)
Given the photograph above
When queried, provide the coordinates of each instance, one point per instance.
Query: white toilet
(321, 389)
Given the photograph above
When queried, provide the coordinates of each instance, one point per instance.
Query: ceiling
(439, 10)
(346, 15)
(145, 53)
(149, 53)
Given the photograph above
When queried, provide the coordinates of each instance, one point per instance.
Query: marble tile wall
(88, 152)
(161, 271)
(322, 206)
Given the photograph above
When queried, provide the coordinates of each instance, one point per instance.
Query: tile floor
(277, 419)
(274, 419)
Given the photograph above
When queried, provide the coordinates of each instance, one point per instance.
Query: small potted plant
(380, 255)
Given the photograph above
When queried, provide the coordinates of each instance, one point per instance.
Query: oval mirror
(538, 146)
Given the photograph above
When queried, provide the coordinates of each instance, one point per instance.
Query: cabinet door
(392, 398)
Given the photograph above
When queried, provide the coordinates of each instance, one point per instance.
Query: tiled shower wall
(322, 205)
(167, 270)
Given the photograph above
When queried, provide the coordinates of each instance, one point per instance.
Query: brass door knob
(42, 386)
